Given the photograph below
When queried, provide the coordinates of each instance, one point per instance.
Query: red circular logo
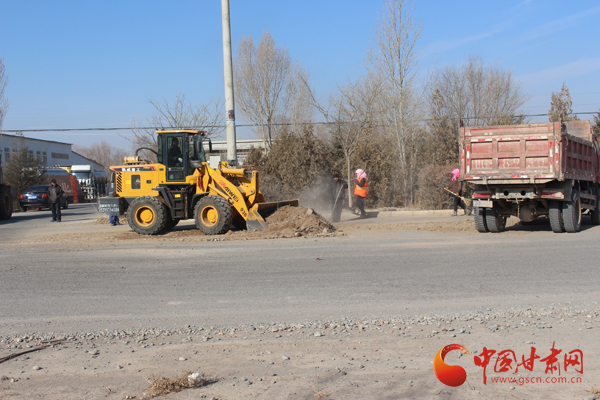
(451, 375)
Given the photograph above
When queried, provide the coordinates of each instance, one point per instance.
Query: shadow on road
(542, 224)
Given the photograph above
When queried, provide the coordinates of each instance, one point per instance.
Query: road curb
(413, 213)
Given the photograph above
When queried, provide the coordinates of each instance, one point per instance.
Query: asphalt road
(25, 222)
(157, 283)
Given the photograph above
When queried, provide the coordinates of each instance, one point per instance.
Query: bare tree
(351, 114)
(103, 153)
(22, 169)
(560, 106)
(596, 125)
(477, 93)
(180, 114)
(394, 58)
(3, 100)
(270, 87)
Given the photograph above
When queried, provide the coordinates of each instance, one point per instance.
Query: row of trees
(399, 121)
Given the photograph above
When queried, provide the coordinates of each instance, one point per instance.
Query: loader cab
(181, 152)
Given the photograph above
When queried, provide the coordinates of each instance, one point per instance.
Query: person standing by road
(360, 191)
(456, 189)
(55, 193)
(338, 197)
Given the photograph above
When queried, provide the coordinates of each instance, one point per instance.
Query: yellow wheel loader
(182, 185)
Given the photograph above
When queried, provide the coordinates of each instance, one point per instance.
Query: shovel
(335, 203)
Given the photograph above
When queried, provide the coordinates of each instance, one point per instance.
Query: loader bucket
(260, 211)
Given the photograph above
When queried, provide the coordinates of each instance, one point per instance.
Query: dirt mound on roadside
(291, 220)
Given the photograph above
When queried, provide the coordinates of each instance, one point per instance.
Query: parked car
(37, 197)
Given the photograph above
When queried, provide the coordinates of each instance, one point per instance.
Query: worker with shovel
(360, 191)
(456, 190)
(338, 197)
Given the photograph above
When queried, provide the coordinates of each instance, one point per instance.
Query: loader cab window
(159, 156)
(111, 187)
(196, 149)
(176, 157)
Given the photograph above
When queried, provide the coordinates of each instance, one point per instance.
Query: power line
(243, 125)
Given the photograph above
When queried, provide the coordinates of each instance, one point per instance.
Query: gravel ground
(379, 358)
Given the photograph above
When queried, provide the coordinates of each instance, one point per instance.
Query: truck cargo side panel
(532, 152)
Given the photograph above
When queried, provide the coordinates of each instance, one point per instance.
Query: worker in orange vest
(360, 191)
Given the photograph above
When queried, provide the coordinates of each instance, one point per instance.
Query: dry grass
(593, 390)
(160, 386)
(320, 394)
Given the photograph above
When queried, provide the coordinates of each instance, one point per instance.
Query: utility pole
(229, 99)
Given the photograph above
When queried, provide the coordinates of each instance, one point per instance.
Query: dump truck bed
(531, 153)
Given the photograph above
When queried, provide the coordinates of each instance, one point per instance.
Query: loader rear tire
(6, 203)
(480, 224)
(147, 215)
(170, 224)
(213, 215)
(572, 213)
(494, 221)
(555, 216)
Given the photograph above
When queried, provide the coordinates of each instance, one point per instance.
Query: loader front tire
(147, 215)
(213, 215)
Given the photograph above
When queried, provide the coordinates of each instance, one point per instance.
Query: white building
(242, 146)
(50, 152)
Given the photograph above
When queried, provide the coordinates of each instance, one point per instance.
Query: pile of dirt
(298, 221)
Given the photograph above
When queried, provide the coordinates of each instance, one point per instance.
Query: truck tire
(213, 215)
(595, 215)
(6, 204)
(572, 213)
(494, 221)
(147, 215)
(479, 217)
(555, 216)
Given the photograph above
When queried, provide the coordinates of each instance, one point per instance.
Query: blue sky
(83, 64)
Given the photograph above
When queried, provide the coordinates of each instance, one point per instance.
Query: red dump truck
(527, 171)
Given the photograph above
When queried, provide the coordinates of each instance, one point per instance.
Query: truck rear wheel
(494, 221)
(6, 206)
(147, 215)
(479, 217)
(572, 213)
(555, 216)
(596, 213)
(213, 215)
